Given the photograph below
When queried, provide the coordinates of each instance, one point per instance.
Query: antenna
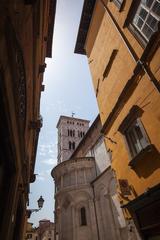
(73, 114)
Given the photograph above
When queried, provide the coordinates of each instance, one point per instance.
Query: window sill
(141, 155)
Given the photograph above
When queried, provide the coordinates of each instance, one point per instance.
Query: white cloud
(40, 178)
(47, 150)
(50, 161)
(41, 153)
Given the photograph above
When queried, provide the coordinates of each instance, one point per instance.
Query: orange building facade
(121, 41)
(26, 30)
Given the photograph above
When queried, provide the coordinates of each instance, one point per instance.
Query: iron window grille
(147, 17)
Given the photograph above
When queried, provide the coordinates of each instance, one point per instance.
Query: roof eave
(52, 12)
(86, 17)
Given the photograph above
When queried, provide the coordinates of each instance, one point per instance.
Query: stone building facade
(121, 42)
(70, 132)
(45, 230)
(31, 232)
(74, 195)
(86, 201)
(26, 30)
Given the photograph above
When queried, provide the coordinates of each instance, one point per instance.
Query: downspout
(140, 61)
(95, 209)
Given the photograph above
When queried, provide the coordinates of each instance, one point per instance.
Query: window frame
(131, 27)
(133, 150)
(118, 3)
(133, 116)
(149, 12)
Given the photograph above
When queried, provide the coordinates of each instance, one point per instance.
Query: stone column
(93, 220)
(61, 183)
(73, 222)
(85, 178)
(76, 176)
(113, 221)
(100, 222)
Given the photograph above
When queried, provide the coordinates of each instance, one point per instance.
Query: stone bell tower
(70, 132)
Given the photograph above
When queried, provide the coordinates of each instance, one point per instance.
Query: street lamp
(40, 202)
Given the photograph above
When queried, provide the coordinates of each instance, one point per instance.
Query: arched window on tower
(73, 145)
(68, 132)
(70, 145)
(73, 133)
(83, 216)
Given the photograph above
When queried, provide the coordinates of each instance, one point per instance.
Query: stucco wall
(143, 94)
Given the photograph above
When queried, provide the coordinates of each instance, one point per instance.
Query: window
(136, 137)
(83, 216)
(73, 145)
(147, 17)
(134, 132)
(29, 236)
(118, 3)
(73, 133)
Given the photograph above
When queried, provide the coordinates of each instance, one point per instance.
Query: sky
(68, 88)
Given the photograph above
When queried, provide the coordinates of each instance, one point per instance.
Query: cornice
(71, 165)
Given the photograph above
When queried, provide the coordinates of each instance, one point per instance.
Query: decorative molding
(36, 124)
(32, 178)
(42, 68)
(124, 187)
(18, 70)
(42, 88)
(86, 16)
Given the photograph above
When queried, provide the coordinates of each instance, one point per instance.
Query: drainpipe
(139, 61)
(95, 209)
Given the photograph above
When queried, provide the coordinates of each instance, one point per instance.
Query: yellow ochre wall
(99, 48)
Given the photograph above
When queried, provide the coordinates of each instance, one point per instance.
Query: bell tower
(70, 132)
